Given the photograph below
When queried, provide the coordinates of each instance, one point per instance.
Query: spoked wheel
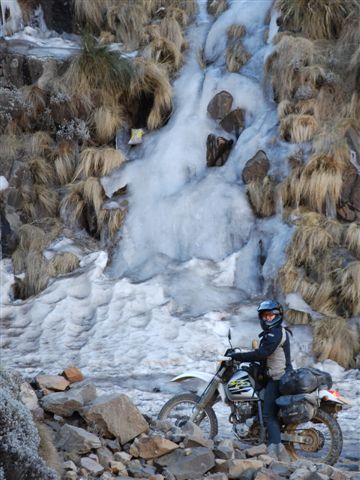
(319, 440)
(179, 409)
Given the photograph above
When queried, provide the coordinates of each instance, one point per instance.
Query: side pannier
(294, 409)
(304, 380)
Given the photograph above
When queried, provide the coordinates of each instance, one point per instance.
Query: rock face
(220, 105)
(66, 403)
(74, 439)
(217, 150)
(188, 464)
(256, 168)
(233, 122)
(116, 415)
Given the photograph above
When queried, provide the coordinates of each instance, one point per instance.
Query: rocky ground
(87, 435)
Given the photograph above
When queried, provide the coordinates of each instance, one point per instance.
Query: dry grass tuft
(286, 108)
(236, 31)
(93, 193)
(127, 21)
(165, 52)
(112, 219)
(179, 15)
(98, 162)
(262, 197)
(41, 143)
(288, 277)
(64, 158)
(171, 30)
(65, 263)
(348, 282)
(47, 200)
(32, 237)
(298, 128)
(333, 339)
(90, 11)
(325, 300)
(10, 146)
(152, 79)
(295, 317)
(73, 205)
(352, 238)
(236, 56)
(38, 271)
(41, 171)
(36, 98)
(217, 7)
(107, 119)
(316, 19)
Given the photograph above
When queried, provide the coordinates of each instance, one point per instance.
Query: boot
(283, 455)
(272, 451)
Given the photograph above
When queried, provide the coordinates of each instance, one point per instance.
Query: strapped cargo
(294, 409)
(304, 380)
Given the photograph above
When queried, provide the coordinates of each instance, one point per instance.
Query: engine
(242, 417)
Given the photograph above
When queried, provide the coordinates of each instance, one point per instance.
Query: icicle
(11, 17)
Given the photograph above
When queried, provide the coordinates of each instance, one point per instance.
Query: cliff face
(220, 187)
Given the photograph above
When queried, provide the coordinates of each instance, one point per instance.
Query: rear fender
(205, 377)
(327, 396)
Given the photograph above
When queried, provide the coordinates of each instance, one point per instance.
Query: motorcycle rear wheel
(325, 439)
(178, 411)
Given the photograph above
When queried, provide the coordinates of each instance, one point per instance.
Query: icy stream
(187, 265)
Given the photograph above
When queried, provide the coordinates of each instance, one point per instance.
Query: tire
(324, 427)
(207, 422)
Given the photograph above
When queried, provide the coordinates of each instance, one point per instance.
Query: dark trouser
(270, 411)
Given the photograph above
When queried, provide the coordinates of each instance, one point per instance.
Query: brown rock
(349, 177)
(338, 475)
(355, 195)
(220, 105)
(257, 450)
(266, 474)
(153, 447)
(238, 467)
(73, 374)
(233, 122)
(116, 415)
(217, 150)
(348, 213)
(118, 468)
(256, 168)
(52, 382)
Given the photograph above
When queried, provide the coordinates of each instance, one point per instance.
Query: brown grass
(41, 143)
(38, 271)
(316, 19)
(90, 11)
(286, 108)
(10, 146)
(32, 237)
(65, 263)
(47, 448)
(165, 52)
(179, 15)
(262, 197)
(107, 120)
(98, 162)
(93, 193)
(325, 299)
(64, 158)
(36, 98)
(127, 21)
(236, 31)
(236, 56)
(333, 339)
(153, 79)
(298, 128)
(47, 199)
(41, 171)
(217, 7)
(171, 30)
(73, 204)
(113, 219)
(352, 238)
(295, 317)
(348, 282)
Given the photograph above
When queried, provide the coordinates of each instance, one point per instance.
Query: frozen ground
(187, 265)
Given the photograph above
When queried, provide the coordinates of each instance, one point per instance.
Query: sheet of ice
(3, 183)
(10, 18)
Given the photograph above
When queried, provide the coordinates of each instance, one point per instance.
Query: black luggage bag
(304, 380)
(294, 409)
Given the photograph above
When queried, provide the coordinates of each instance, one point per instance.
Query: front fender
(204, 376)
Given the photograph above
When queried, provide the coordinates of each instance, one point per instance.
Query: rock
(116, 415)
(217, 150)
(337, 475)
(239, 467)
(316, 476)
(194, 436)
(153, 447)
(140, 471)
(266, 474)
(239, 454)
(74, 439)
(257, 450)
(281, 468)
(70, 476)
(66, 403)
(122, 457)
(114, 445)
(217, 476)
(8, 237)
(28, 397)
(188, 464)
(325, 469)
(73, 374)
(234, 122)
(355, 195)
(92, 466)
(348, 213)
(118, 468)
(59, 15)
(105, 456)
(52, 382)
(220, 105)
(224, 450)
(256, 168)
(266, 459)
(349, 177)
(69, 465)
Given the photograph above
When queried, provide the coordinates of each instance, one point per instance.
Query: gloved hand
(235, 356)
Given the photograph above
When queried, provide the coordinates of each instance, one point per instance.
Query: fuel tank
(240, 387)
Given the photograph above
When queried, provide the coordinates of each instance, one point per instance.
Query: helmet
(270, 306)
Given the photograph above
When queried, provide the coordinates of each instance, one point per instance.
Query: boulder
(188, 464)
(73, 374)
(256, 450)
(238, 468)
(266, 474)
(91, 466)
(66, 403)
(122, 457)
(233, 122)
(7, 235)
(194, 436)
(220, 105)
(349, 176)
(118, 468)
(224, 450)
(153, 447)
(28, 397)
(105, 456)
(217, 150)
(116, 415)
(74, 439)
(137, 470)
(256, 168)
(52, 382)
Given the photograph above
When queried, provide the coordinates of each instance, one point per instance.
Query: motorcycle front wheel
(321, 439)
(179, 409)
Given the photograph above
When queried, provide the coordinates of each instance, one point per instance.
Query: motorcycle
(241, 387)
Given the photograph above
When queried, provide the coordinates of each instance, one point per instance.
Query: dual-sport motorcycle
(241, 387)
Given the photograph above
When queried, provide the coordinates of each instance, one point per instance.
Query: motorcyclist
(274, 355)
